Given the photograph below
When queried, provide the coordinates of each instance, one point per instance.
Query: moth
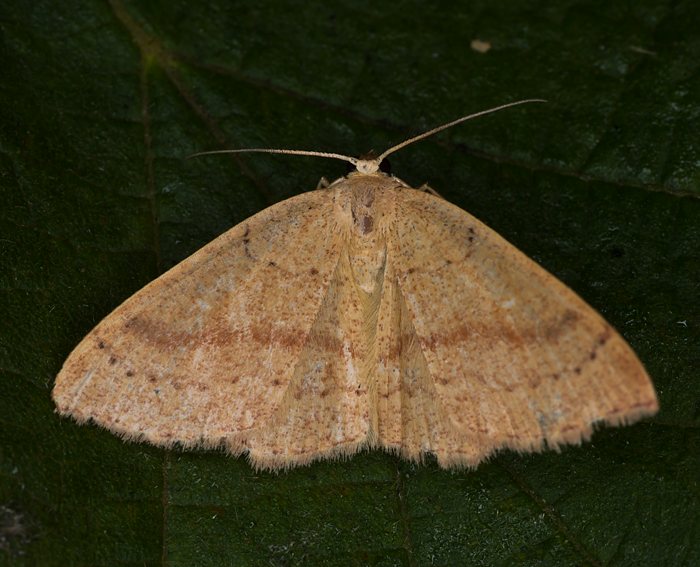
(366, 314)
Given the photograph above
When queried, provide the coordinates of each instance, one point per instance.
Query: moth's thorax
(367, 202)
(366, 210)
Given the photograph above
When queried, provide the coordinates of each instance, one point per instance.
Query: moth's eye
(385, 166)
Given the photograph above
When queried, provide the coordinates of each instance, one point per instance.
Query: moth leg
(428, 189)
(323, 183)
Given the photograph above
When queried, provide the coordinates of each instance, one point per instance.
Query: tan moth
(364, 314)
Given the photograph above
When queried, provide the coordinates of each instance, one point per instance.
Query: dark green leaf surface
(100, 102)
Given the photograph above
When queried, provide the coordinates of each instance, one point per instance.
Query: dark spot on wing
(558, 328)
(246, 242)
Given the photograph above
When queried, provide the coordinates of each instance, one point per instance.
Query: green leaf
(101, 101)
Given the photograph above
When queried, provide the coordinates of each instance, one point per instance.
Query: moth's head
(367, 166)
(370, 164)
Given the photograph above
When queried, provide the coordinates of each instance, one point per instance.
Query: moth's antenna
(453, 123)
(369, 165)
(352, 160)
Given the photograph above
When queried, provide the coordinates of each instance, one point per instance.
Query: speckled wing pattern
(503, 354)
(368, 314)
(207, 351)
